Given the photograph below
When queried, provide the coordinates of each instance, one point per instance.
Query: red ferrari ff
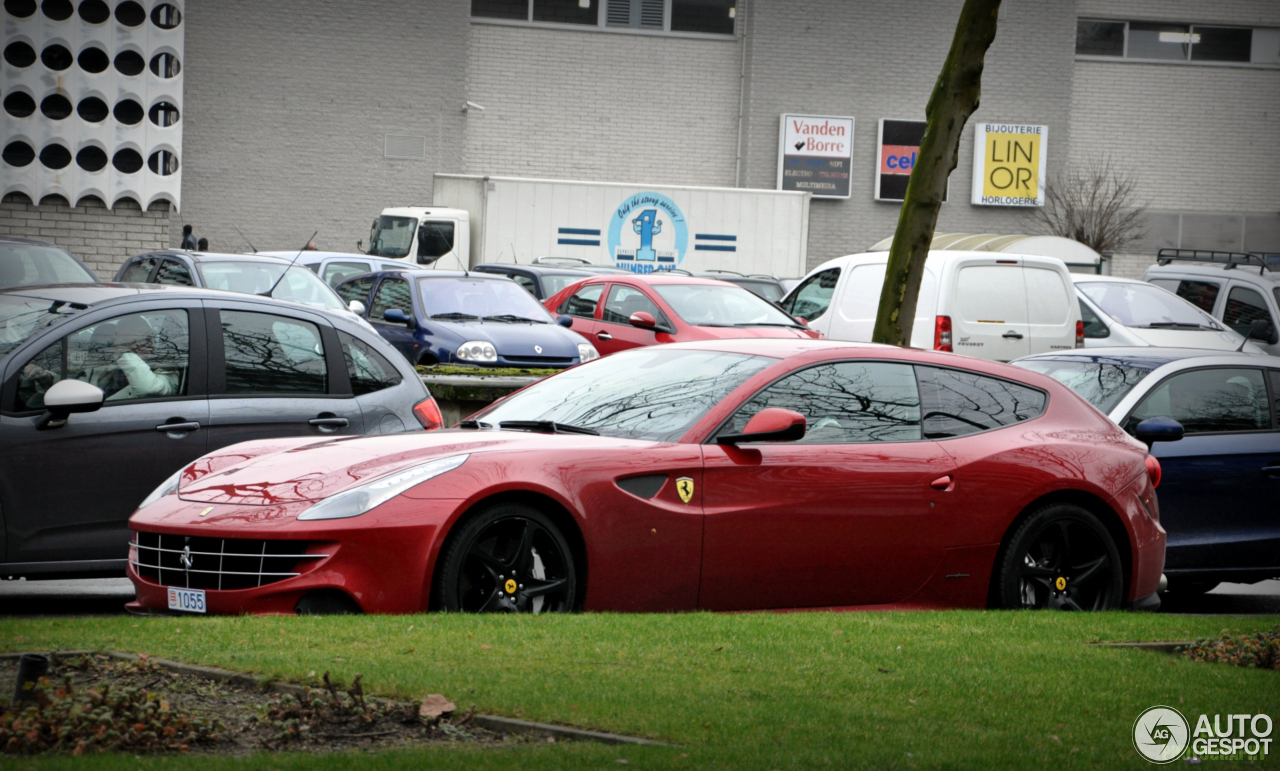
(724, 475)
(617, 312)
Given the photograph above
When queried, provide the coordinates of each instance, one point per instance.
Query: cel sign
(815, 155)
(899, 144)
(1008, 164)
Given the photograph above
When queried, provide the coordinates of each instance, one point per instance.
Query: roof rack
(763, 275)
(550, 260)
(1229, 260)
(726, 272)
(674, 271)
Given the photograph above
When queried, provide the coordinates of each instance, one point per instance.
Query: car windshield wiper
(454, 316)
(1177, 325)
(473, 423)
(547, 427)
(511, 318)
(765, 324)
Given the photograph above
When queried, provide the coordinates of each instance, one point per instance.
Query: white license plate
(189, 600)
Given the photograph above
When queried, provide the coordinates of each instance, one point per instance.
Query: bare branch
(1094, 202)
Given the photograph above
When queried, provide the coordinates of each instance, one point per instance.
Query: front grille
(218, 563)
(539, 360)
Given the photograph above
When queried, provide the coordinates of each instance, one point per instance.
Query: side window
(583, 303)
(139, 356)
(845, 403)
(1094, 328)
(269, 354)
(958, 403)
(1208, 401)
(812, 298)
(337, 272)
(526, 282)
(435, 239)
(624, 301)
(355, 290)
(138, 272)
(369, 370)
(392, 293)
(1202, 294)
(174, 272)
(1244, 306)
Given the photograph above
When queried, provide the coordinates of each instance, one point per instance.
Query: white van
(990, 305)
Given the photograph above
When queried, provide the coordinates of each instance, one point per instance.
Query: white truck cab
(424, 235)
(990, 305)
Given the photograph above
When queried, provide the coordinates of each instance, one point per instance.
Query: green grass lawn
(958, 689)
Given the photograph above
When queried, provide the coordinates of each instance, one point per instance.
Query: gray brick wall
(99, 236)
(605, 106)
(287, 105)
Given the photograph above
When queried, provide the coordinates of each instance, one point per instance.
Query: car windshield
(21, 318)
(712, 305)
(653, 393)
(1145, 306)
(1102, 383)
(481, 298)
(392, 236)
(31, 264)
(300, 285)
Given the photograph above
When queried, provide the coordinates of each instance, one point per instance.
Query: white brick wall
(99, 236)
(605, 106)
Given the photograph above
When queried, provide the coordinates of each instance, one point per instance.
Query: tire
(1189, 587)
(508, 558)
(1060, 558)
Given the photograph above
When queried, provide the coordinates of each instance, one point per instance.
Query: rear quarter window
(958, 403)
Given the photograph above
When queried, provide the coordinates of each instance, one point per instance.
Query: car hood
(273, 472)
(1208, 339)
(517, 339)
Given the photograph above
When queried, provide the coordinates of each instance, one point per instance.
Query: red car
(723, 475)
(650, 309)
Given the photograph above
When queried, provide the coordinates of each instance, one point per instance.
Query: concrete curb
(1157, 647)
(491, 722)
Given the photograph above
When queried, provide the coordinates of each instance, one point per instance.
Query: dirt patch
(96, 703)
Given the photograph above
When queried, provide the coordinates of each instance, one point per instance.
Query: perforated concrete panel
(92, 100)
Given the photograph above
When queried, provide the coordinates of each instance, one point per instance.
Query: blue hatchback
(454, 317)
(1220, 493)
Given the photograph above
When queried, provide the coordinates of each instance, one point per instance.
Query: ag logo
(1160, 734)
(684, 486)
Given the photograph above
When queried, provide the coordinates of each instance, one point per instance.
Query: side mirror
(1264, 331)
(396, 316)
(1154, 430)
(772, 424)
(643, 319)
(356, 307)
(66, 397)
(565, 321)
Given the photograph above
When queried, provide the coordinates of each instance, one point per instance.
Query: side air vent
(643, 487)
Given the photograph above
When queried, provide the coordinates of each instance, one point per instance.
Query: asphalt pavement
(107, 596)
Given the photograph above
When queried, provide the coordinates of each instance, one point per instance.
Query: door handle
(329, 421)
(1011, 335)
(944, 483)
(179, 427)
(604, 335)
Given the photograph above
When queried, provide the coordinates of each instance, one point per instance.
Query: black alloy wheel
(509, 558)
(1060, 558)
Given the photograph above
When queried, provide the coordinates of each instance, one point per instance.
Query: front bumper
(382, 559)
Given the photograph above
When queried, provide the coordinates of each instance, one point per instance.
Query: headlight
(167, 487)
(477, 351)
(587, 352)
(359, 499)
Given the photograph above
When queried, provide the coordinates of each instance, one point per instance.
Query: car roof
(97, 294)
(655, 278)
(1089, 278)
(1153, 357)
(416, 272)
(203, 257)
(936, 256)
(5, 239)
(1238, 272)
(558, 270)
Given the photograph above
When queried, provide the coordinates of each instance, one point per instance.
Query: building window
(1163, 41)
(715, 17)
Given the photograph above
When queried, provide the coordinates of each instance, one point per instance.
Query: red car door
(845, 516)
(614, 331)
(581, 306)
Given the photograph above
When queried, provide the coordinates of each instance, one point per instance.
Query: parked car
(164, 375)
(456, 317)
(246, 273)
(541, 281)
(1235, 288)
(1222, 480)
(655, 308)
(27, 262)
(1126, 312)
(578, 263)
(990, 305)
(719, 475)
(768, 287)
(336, 267)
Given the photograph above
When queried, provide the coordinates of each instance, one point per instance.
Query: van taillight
(1079, 334)
(1153, 471)
(428, 414)
(942, 333)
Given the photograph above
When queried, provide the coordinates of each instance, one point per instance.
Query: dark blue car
(1220, 492)
(454, 317)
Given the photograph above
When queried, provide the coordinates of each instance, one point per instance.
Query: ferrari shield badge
(684, 486)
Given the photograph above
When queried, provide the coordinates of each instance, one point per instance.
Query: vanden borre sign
(815, 154)
(1009, 164)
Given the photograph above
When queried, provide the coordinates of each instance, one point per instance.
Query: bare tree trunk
(955, 97)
